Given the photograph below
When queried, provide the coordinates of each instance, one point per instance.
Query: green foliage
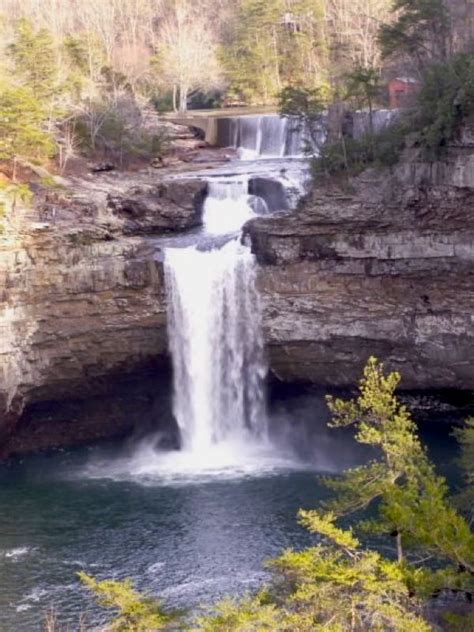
(465, 436)
(304, 103)
(253, 614)
(421, 30)
(306, 106)
(114, 130)
(336, 585)
(251, 61)
(332, 586)
(10, 195)
(26, 99)
(349, 156)
(22, 122)
(445, 102)
(412, 500)
(459, 623)
(133, 611)
(89, 76)
(363, 84)
(266, 53)
(35, 62)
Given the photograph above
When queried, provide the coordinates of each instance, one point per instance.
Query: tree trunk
(183, 99)
(175, 98)
(371, 129)
(371, 117)
(399, 547)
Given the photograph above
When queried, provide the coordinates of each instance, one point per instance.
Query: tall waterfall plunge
(216, 344)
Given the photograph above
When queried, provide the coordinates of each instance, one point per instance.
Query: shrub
(351, 156)
(133, 611)
(115, 131)
(445, 102)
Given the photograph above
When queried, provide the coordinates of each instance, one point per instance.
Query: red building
(402, 91)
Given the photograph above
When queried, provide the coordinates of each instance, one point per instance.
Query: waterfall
(216, 344)
(265, 136)
(229, 205)
(381, 119)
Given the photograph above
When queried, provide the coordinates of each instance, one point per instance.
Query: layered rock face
(385, 270)
(81, 307)
(157, 208)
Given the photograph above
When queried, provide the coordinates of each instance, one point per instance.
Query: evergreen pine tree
(35, 62)
(22, 119)
(421, 30)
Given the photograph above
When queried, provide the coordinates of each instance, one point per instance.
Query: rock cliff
(385, 269)
(82, 306)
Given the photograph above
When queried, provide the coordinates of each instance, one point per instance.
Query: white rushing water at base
(216, 345)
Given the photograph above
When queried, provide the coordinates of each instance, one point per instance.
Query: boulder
(271, 191)
(169, 206)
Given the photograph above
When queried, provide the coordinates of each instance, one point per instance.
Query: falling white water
(216, 344)
(228, 206)
(264, 136)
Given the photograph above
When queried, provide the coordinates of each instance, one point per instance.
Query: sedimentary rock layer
(82, 304)
(385, 268)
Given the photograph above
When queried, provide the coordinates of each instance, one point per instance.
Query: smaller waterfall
(216, 344)
(265, 136)
(228, 205)
(381, 120)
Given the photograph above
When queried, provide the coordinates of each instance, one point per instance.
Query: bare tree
(354, 25)
(181, 38)
(187, 51)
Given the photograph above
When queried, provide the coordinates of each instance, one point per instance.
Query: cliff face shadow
(127, 407)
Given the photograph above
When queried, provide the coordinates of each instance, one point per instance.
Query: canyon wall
(385, 268)
(82, 306)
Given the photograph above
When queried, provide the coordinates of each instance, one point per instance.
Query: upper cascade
(275, 136)
(263, 136)
(229, 205)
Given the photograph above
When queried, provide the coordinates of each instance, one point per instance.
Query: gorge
(215, 285)
(385, 268)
